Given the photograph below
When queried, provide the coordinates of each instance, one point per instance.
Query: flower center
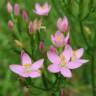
(73, 58)
(63, 61)
(43, 7)
(27, 68)
(58, 37)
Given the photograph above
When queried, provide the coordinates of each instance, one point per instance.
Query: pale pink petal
(83, 61)
(59, 21)
(53, 68)
(67, 52)
(37, 6)
(53, 39)
(52, 49)
(18, 69)
(79, 52)
(66, 72)
(65, 23)
(35, 74)
(53, 57)
(77, 63)
(46, 5)
(67, 38)
(25, 59)
(38, 64)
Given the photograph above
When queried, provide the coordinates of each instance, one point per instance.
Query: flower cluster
(62, 56)
(67, 58)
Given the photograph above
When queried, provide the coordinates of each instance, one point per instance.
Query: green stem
(82, 32)
(93, 75)
(44, 81)
(15, 28)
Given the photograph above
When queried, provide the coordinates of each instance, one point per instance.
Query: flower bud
(16, 9)
(30, 27)
(58, 39)
(62, 93)
(10, 24)
(9, 7)
(25, 16)
(62, 24)
(37, 24)
(41, 46)
(52, 49)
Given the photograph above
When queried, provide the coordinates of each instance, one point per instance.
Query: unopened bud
(16, 9)
(62, 93)
(10, 24)
(41, 46)
(37, 24)
(30, 27)
(52, 49)
(9, 7)
(25, 15)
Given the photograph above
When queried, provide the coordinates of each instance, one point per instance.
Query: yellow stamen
(27, 68)
(63, 61)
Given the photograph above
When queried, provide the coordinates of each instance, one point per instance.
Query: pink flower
(62, 24)
(9, 7)
(25, 16)
(42, 10)
(30, 27)
(76, 60)
(59, 40)
(16, 9)
(27, 67)
(10, 24)
(62, 63)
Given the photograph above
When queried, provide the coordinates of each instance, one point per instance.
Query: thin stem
(93, 75)
(82, 32)
(15, 28)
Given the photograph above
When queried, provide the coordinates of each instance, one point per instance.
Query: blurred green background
(82, 19)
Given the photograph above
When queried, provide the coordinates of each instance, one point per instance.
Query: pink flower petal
(66, 72)
(53, 57)
(53, 68)
(18, 69)
(37, 6)
(65, 23)
(38, 64)
(77, 63)
(35, 74)
(25, 59)
(67, 52)
(67, 38)
(59, 23)
(79, 52)
(53, 39)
